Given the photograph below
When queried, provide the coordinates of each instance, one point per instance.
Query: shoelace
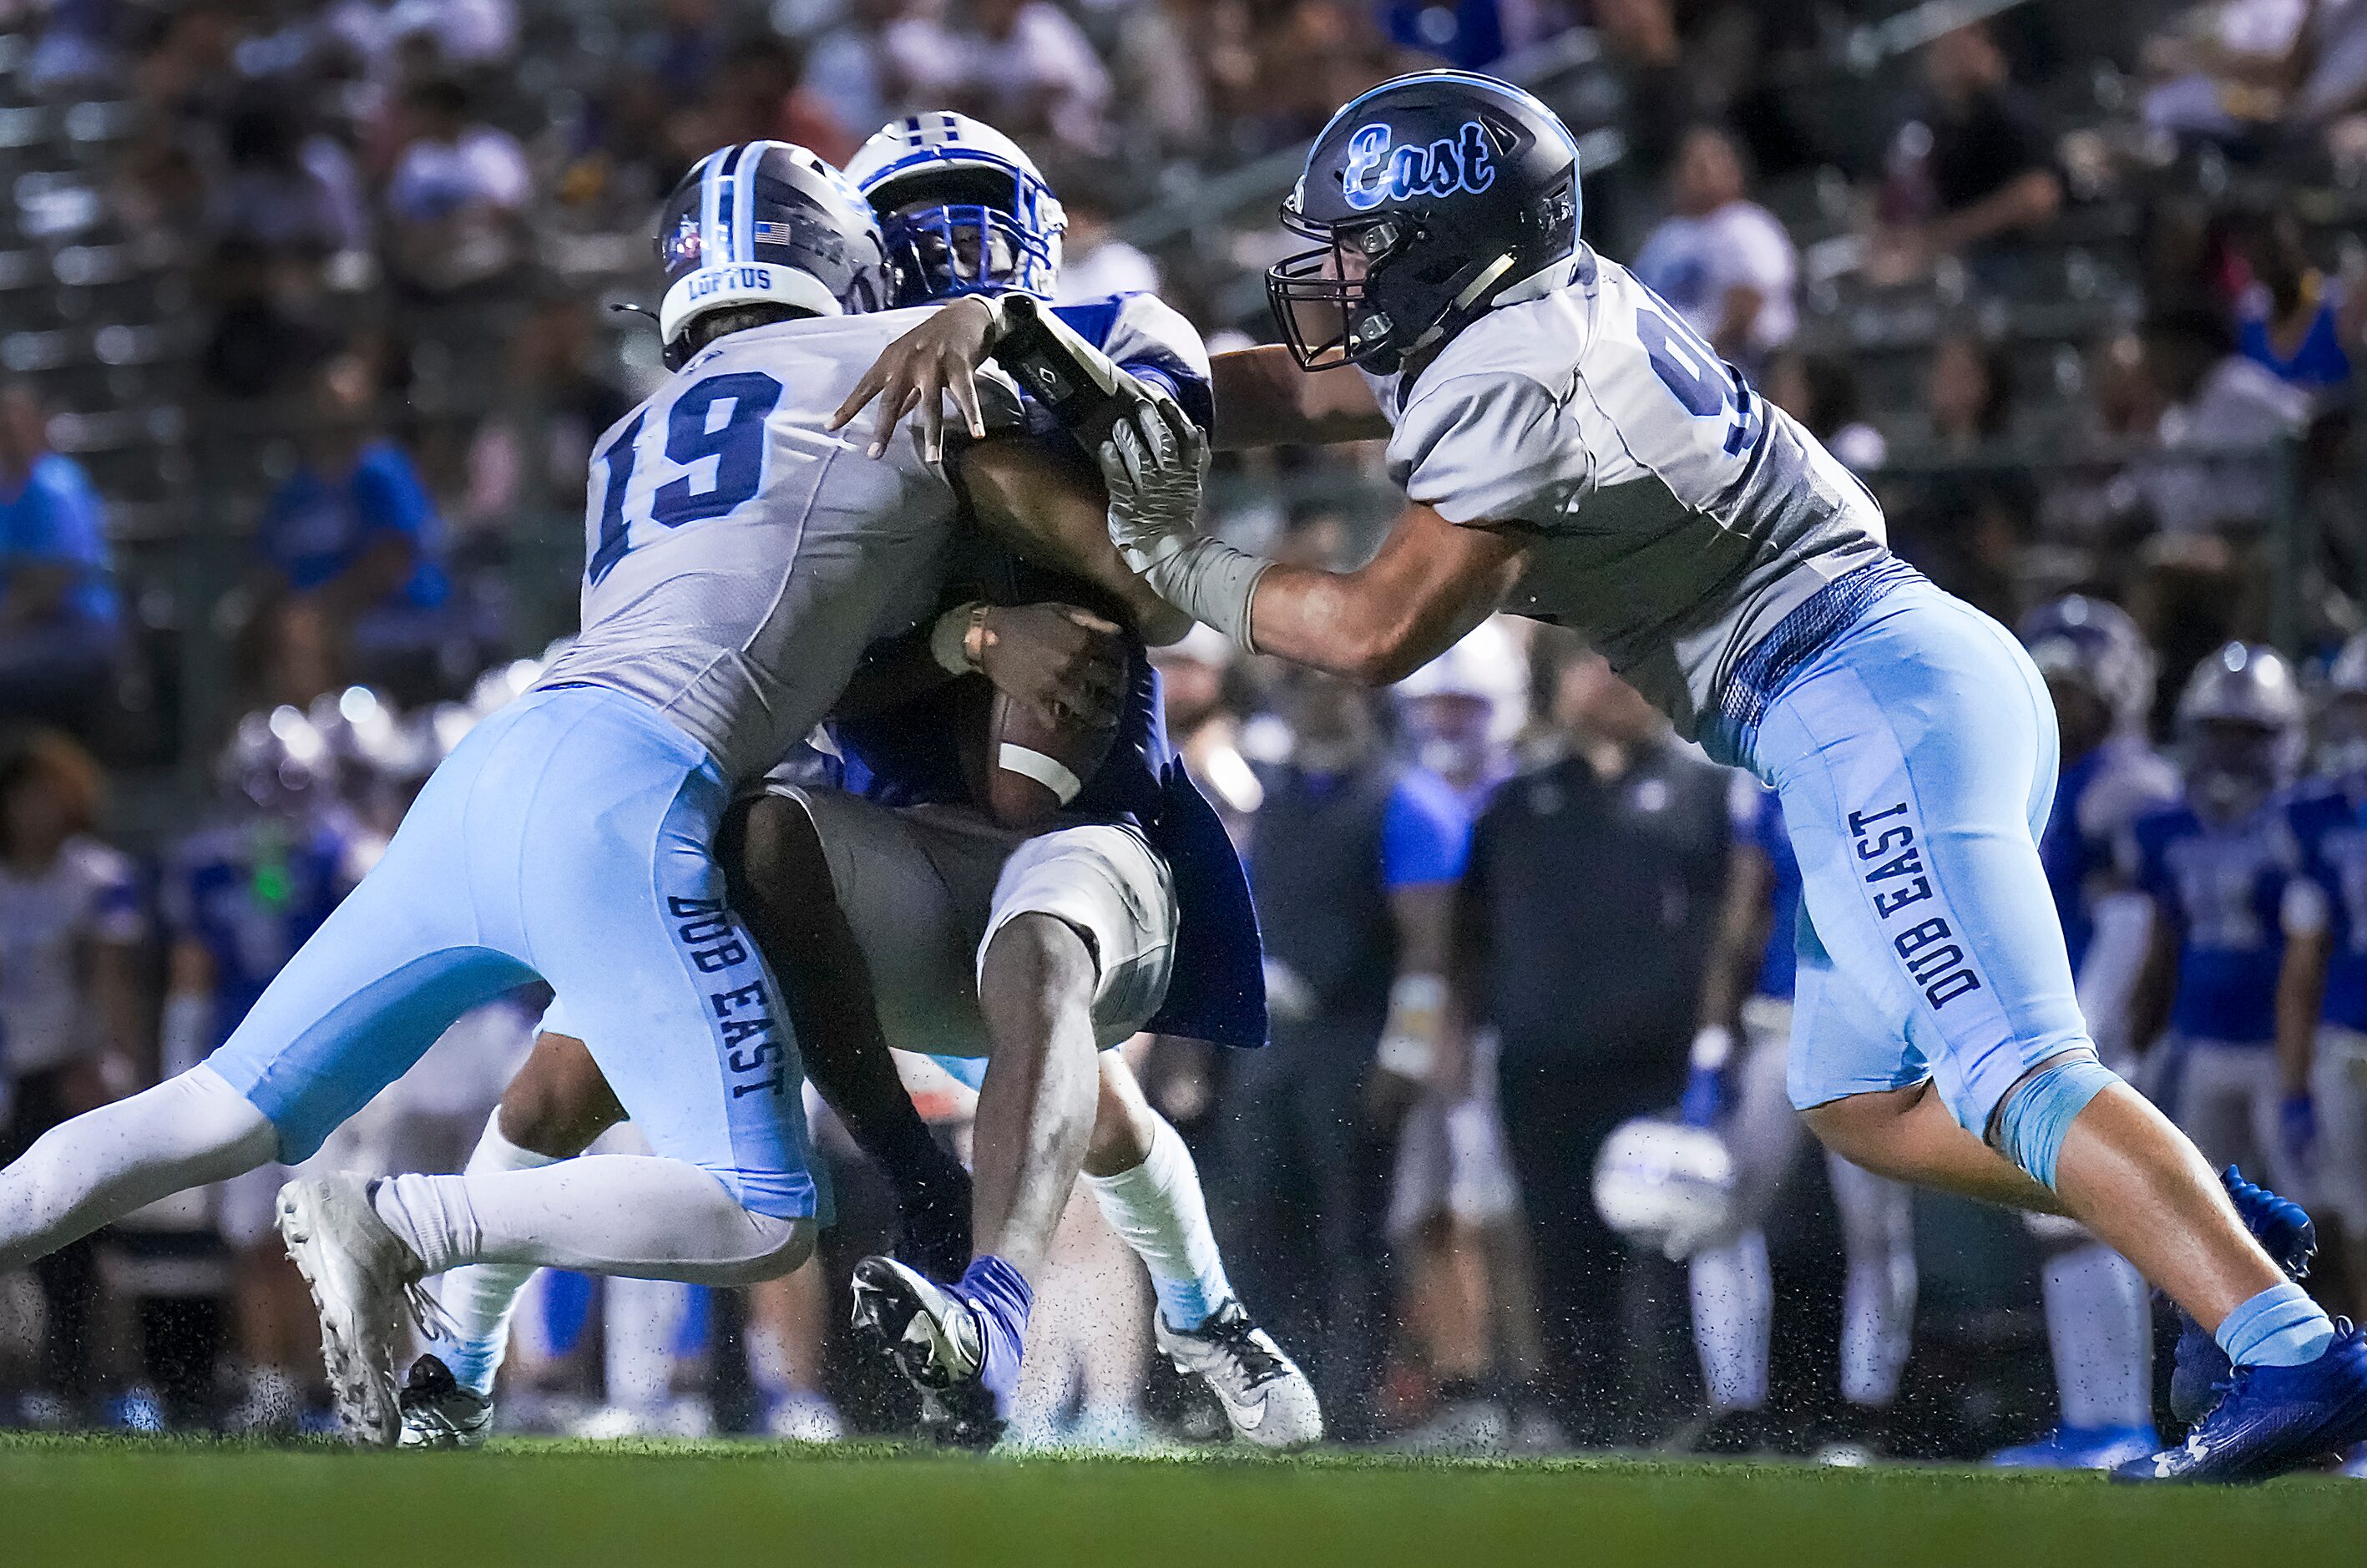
(427, 1314)
(1239, 1338)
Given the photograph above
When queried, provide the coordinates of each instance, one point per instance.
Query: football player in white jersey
(740, 560)
(1571, 450)
(913, 899)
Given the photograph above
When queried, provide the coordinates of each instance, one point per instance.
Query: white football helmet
(1665, 1186)
(963, 207)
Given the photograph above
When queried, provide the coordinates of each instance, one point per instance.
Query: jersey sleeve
(1150, 339)
(1484, 449)
(1425, 833)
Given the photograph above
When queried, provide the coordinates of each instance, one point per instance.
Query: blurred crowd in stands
(306, 337)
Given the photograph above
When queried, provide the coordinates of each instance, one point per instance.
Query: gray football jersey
(1677, 515)
(739, 556)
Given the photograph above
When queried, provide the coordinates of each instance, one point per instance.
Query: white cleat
(438, 1411)
(1265, 1396)
(359, 1271)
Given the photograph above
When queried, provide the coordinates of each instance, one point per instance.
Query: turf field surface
(194, 1504)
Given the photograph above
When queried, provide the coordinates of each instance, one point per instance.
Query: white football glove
(1154, 463)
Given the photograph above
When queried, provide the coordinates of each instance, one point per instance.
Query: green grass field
(122, 1502)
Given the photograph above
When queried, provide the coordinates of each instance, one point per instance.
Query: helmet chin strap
(1471, 290)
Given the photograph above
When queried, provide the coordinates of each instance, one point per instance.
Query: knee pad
(2038, 1113)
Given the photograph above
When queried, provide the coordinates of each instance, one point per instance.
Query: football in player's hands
(1023, 766)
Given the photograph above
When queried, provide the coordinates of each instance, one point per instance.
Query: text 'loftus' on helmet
(766, 223)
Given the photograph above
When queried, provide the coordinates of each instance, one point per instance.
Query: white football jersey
(1677, 515)
(89, 893)
(740, 557)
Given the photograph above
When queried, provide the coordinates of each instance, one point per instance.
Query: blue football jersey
(1759, 822)
(251, 892)
(2100, 796)
(2223, 887)
(2328, 821)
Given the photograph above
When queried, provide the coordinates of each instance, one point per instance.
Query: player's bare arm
(1025, 497)
(1263, 399)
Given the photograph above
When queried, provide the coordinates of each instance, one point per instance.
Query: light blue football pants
(568, 837)
(1916, 755)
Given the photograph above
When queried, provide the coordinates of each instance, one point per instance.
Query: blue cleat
(2284, 1231)
(2274, 1421)
(2081, 1448)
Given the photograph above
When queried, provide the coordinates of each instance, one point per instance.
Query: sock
(480, 1298)
(2099, 1325)
(184, 1133)
(1734, 1311)
(2278, 1327)
(1878, 1297)
(2034, 1119)
(651, 1218)
(1158, 1208)
(640, 1320)
(1001, 1298)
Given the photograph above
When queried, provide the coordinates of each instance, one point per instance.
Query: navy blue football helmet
(1433, 197)
(766, 223)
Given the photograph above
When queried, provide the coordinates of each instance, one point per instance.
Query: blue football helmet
(1433, 197)
(765, 223)
(2094, 643)
(962, 208)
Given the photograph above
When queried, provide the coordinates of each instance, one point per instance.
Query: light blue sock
(2278, 1327)
(2038, 1115)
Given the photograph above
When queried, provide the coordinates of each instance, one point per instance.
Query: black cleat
(933, 1337)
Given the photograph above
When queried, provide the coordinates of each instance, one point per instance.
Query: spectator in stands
(2293, 319)
(1162, 95)
(285, 190)
(2221, 421)
(1720, 258)
(1822, 393)
(1353, 861)
(1467, 34)
(71, 1036)
(1580, 936)
(1965, 525)
(1976, 167)
(1035, 75)
(456, 202)
(1095, 263)
(757, 95)
(535, 448)
(60, 623)
(685, 46)
(352, 536)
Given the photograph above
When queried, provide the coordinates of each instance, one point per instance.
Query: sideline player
(2332, 819)
(739, 564)
(1736, 1085)
(2099, 674)
(1572, 451)
(903, 886)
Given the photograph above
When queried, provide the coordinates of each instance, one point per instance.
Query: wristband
(958, 638)
(1211, 582)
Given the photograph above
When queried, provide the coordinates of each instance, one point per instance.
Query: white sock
(1734, 1312)
(641, 1322)
(2099, 1325)
(649, 1218)
(188, 1130)
(1878, 1301)
(480, 1298)
(1159, 1209)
